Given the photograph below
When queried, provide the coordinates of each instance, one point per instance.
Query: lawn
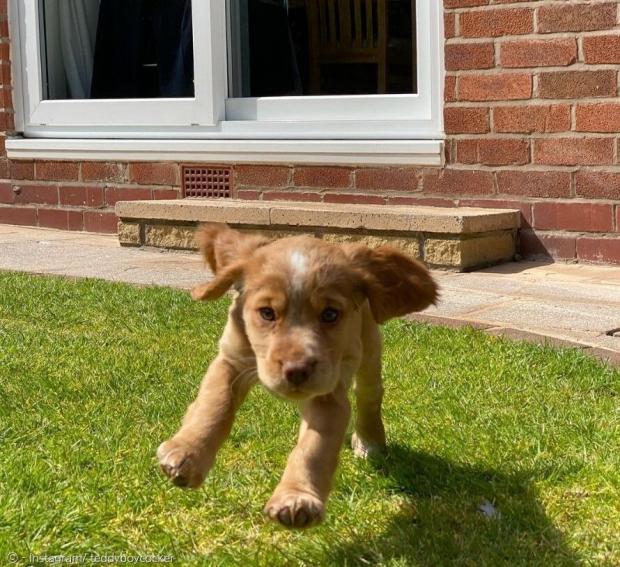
(93, 376)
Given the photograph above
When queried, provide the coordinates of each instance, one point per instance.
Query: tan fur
(299, 356)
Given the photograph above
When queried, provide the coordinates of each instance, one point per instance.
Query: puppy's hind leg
(187, 457)
(369, 436)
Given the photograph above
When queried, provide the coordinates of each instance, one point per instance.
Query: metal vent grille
(207, 181)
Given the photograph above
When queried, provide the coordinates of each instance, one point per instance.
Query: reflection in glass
(116, 49)
(322, 47)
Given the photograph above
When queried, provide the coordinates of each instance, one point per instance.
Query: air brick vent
(210, 181)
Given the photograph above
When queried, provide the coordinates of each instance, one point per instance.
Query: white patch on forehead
(299, 264)
(299, 268)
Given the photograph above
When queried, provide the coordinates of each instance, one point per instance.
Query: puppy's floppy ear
(220, 245)
(225, 251)
(394, 283)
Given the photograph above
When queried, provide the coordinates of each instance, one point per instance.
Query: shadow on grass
(441, 522)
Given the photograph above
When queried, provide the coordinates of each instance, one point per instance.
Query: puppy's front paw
(295, 509)
(180, 464)
(365, 450)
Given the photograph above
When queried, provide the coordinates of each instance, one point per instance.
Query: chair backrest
(348, 25)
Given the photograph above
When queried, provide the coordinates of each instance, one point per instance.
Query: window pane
(104, 49)
(322, 47)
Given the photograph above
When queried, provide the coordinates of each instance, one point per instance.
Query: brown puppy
(305, 324)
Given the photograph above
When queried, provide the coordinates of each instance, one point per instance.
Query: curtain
(78, 30)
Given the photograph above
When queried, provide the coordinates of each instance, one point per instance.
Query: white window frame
(215, 126)
(206, 108)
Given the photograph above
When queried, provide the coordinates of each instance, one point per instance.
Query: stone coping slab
(329, 215)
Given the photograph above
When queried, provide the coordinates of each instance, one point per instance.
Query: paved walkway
(561, 303)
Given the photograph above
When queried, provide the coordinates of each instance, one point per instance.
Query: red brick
(464, 3)
(354, 198)
(577, 84)
(95, 221)
(103, 171)
(81, 196)
(582, 216)
(40, 194)
(461, 56)
(6, 98)
(388, 179)
(617, 218)
(459, 182)
(466, 120)
(161, 194)
(420, 201)
(538, 53)
(574, 151)
(532, 244)
(493, 151)
(318, 176)
(602, 49)
(7, 121)
(499, 86)
(602, 117)
(22, 170)
(576, 17)
(532, 118)
(115, 194)
(291, 196)
(4, 169)
(449, 93)
(601, 250)
(76, 220)
(61, 219)
(57, 170)
(597, 184)
(6, 193)
(449, 26)
(524, 207)
(248, 195)
(497, 22)
(18, 215)
(546, 184)
(151, 173)
(5, 52)
(263, 175)
(5, 71)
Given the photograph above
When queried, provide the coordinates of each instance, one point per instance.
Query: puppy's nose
(299, 371)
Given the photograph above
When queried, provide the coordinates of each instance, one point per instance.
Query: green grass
(93, 376)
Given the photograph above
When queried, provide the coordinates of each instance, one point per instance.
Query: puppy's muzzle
(297, 372)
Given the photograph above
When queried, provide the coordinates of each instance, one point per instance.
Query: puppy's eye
(267, 313)
(330, 315)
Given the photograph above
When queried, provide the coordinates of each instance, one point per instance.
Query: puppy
(305, 324)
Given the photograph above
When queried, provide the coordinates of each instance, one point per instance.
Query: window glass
(110, 49)
(322, 47)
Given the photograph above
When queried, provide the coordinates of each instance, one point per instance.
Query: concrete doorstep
(448, 238)
(572, 305)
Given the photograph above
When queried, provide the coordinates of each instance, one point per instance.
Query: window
(229, 70)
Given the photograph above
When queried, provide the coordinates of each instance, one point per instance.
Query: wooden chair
(345, 32)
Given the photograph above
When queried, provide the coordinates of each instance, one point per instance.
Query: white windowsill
(337, 152)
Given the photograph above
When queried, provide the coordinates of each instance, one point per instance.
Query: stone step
(452, 238)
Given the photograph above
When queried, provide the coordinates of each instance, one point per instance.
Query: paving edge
(611, 357)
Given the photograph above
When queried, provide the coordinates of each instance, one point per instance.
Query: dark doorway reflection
(323, 47)
(117, 49)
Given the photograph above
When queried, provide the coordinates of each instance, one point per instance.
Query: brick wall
(532, 118)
